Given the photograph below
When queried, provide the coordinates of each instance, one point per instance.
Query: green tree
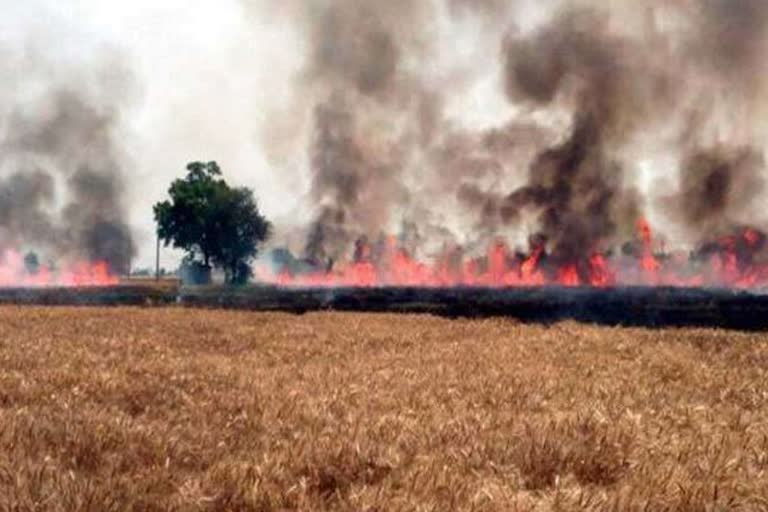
(215, 224)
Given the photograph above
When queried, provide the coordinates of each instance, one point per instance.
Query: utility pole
(157, 259)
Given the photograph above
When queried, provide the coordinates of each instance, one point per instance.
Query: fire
(729, 262)
(568, 275)
(14, 273)
(648, 261)
(601, 274)
(529, 270)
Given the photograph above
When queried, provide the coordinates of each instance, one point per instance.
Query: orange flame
(395, 266)
(13, 273)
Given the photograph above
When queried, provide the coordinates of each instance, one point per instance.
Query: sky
(210, 79)
(194, 99)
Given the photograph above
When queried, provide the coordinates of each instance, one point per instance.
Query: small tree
(215, 224)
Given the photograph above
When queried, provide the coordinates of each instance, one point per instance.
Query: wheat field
(174, 409)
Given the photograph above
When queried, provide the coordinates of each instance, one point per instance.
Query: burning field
(15, 272)
(627, 148)
(580, 144)
(157, 409)
(731, 262)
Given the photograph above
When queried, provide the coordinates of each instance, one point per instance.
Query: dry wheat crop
(173, 409)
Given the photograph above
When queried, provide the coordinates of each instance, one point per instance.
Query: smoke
(721, 172)
(65, 190)
(492, 9)
(597, 94)
(731, 41)
(613, 88)
(24, 197)
(700, 75)
(364, 93)
(719, 187)
(358, 45)
(96, 214)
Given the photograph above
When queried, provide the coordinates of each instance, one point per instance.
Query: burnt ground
(621, 306)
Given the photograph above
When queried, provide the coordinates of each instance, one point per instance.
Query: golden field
(173, 409)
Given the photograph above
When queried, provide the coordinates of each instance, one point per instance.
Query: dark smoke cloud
(369, 113)
(352, 46)
(95, 216)
(731, 39)
(618, 86)
(338, 163)
(72, 201)
(24, 197)
(578, 191)
(480, 162)
(580, 62)
(719, 187)
(577, 63)
(721, 176)
(594, 90)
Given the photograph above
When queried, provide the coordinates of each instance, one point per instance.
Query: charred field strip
(631, 306)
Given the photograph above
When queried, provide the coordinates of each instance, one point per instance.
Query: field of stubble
(171, 409)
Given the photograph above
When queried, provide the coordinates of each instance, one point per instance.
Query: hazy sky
(227, 80)
(206, 75)
(210, 80)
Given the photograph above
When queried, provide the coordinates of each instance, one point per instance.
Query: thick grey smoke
(65, 188)
(24, 197)
(622, 86)
(721, 162)
(719, 187)
(613, 87)
(364, 130)
(595, 92)
(731, 39)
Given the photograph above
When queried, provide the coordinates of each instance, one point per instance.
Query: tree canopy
(215, 224)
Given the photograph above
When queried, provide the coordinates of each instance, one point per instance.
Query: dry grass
(131, 409)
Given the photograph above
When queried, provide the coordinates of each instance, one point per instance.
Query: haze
(449, 120)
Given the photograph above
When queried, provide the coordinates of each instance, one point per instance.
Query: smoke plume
(719, 188)
(612, 87)
(65, 184)
(721, 165)
(597, 95)
(24, 197)
(363, 128)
